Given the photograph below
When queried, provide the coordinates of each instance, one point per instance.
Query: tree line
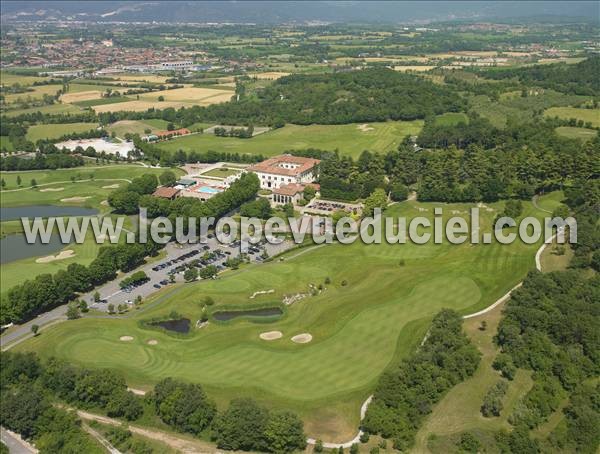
(406, 394)
(47, 291)
(528, 160)
(41, 161)
(580, 78)
(30, 389)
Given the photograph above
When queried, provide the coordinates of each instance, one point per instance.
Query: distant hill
(295, 11)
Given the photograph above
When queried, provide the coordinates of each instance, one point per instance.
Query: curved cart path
(506, 297)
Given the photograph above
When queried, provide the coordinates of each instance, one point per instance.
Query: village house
(285, 169)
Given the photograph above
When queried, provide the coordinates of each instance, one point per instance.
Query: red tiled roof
(273, 165)
(165, 192)
(176, 132)
(290, 189)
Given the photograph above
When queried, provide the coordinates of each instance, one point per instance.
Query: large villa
(279, 171)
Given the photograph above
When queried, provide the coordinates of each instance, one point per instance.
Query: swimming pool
(208, 190)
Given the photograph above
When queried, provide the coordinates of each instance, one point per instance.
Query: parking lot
(170, 269)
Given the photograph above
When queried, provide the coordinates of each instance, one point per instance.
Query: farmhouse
(285, 169)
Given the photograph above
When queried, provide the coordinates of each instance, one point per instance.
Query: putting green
(358, 329)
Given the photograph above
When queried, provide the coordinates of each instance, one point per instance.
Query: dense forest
(527, 160)
(374, 94)
(581, 78)
(406, 394)
(31, 390)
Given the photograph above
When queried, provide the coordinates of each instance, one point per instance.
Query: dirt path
(103, 441)
(184, 445)
(501, 300)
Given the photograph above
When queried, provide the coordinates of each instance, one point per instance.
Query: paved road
(15, 444)
(112, 293)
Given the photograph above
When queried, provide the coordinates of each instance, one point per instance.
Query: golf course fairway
(374, 308)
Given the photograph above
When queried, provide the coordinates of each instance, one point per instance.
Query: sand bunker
(76, 199)
(104, 203)
(52, 189)
(111, 186)
(60, 256)
(303, 338)
(271, 335)
(262, 292)
(125, 338)
(365, 128)
(152, 342)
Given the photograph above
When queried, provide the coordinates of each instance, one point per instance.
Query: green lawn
(95, 192)
(122, 127)
(102, 101)
(117, 171)
(78, 88)
(51, 109)
(591, 115)
(56, 130)
(350, 139)
(576, 133)
(521, 109)
(451, 119)
(222, 172)
(358, 330)
(9, 79)
(6, 144)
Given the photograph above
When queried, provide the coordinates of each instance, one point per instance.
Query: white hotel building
(285, 169)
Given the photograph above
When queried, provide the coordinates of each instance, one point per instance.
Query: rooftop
(166, 192)
(290, 189)
(285, 165)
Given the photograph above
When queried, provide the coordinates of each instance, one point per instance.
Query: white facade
(274, 180)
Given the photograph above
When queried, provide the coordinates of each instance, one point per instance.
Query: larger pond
(181, 325)
(15, 247)
(43, 211)
(224, 316)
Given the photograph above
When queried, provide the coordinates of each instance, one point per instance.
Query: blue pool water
(208, 190)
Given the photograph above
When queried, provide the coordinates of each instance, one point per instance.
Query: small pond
(181, 325)
(44, 211)
(15, 247)
(224, 316)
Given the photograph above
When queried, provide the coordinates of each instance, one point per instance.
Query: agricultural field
(349, 139)
(521, 109)
(122, 127)
(37, 92)
(50, 109)
(57, 130)
(102, 101)
(576, 133)
(9, 79)
(151, 78)
(586, 115)
(358, 329)
(176, 98)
